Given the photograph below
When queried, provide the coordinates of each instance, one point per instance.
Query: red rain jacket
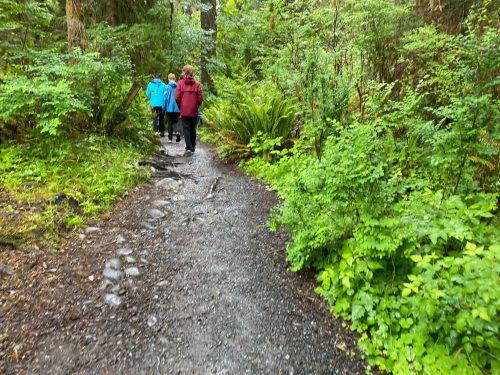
(188, 96)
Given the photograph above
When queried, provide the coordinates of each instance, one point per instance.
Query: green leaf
(357, 311)
(406, 292)
(346, 282)
(416, 258)
(405, 323)
(461, 325)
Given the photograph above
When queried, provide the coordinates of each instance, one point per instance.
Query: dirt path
(195, 284)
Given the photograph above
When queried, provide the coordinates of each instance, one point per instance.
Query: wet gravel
(186, 279)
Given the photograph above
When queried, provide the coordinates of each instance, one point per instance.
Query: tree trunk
(209, 47)
(76, 28)
(171, 27)
(113, 11)
(120, 112)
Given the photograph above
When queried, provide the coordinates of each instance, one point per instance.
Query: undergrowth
(48, 188)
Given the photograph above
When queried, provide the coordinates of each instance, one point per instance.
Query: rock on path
(209, 294)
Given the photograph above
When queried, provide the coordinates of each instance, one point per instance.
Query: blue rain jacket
(170, 104)
(156, 93)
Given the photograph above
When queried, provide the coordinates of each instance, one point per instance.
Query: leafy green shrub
(39, 102)
(358, 219)
(376, 27)
(65, 91)
(242, 115)
(397, 207)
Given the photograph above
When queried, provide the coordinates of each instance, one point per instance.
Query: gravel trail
(185, 278)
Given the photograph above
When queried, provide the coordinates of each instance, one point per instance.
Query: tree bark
(171, 27)
(113, 10)
(120, 112)
(209, 47)
(76, 28)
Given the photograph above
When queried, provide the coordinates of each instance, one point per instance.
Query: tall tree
(209, 44)
(76, 28)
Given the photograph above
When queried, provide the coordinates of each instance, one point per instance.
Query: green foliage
(74, 221)
(245, 112)
(356, 217)
(239, 50)
(23, 24)
(391, 191)
(376, 26)
(389, 188)
(162, 41)
(39, 100)
(410, 184)
(444, 320)
(92, 173)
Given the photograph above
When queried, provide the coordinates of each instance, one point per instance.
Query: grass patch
(49, 186)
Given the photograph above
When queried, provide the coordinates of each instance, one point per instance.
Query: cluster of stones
(113, 274)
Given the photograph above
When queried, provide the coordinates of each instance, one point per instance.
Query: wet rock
(130, 259)
(162, 283)
(144, 261)
(120, 239)
(91, 278)
(5, 270)
(159, 203)
(105, 284)
(112, 299)
(164, 340)
(124, 251)
(168, 183)
(89, 230)
(90, 338)
(152, 320)
(114, 263)
(132, 271)
(81, 236)
(155, 213)
(115, 289)
(112, 274)
(147, 225)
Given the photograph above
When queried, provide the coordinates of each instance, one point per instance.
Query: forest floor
(181, 277)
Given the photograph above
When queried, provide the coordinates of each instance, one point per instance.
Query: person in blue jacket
(172, 110)
(156, 95)
(199, 119)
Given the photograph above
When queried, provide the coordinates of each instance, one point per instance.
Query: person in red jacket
(189, 97)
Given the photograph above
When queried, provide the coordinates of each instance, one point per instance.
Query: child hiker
(172, 110)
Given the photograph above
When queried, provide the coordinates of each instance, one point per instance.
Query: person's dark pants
(189, 125)
(172, 120)
(158, 115)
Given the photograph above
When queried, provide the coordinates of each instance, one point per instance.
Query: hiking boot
(169, 139)
(188, 153)
(178, 138)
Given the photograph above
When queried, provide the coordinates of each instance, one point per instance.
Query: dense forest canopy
(376, 121)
